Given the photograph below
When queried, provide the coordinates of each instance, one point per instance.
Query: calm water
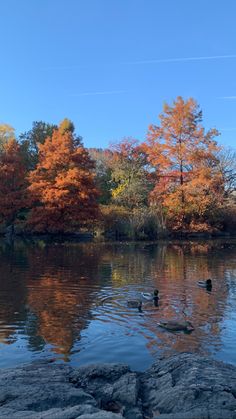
(69, 301)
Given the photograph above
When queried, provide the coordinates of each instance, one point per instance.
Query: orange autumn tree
(188, 185)
(13, 196)
(62, 185)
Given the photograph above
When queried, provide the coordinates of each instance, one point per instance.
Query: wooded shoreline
(176, 181)
(91, 237)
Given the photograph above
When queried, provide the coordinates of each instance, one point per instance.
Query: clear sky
(110, 64)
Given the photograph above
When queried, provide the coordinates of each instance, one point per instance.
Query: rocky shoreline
(185, 386)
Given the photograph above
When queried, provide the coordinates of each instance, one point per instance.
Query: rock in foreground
(184, 386)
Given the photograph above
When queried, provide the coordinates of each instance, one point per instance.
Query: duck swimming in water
(205, 284)
(150, 296)
(175, 326)
(135, 304)
(156, 298)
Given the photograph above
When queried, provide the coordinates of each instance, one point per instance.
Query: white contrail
(179, 59)
(227, 97)
(105, 92)
(227, 129)
(140, 62)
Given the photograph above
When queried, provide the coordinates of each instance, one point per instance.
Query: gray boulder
(185, 386)
(183, 383)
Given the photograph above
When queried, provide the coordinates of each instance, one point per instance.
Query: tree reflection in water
(71, 299)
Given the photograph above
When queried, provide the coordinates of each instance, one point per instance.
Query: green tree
(66, 125)
(31, 139)
(129, 174)
(102, 169)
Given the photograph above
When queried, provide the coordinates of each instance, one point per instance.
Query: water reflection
(69, 301)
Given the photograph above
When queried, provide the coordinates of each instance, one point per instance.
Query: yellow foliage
(119, 189)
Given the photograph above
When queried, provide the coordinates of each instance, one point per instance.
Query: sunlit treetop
(7, 132)
(66, 125)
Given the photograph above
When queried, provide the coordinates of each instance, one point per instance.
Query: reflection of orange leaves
(7, 336)
(57, 311)
(200, 248)
(179, 293)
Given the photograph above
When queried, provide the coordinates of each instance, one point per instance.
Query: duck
(175, 326)
(135, 304)
(205, 284)
(150, 296)
(155, 298)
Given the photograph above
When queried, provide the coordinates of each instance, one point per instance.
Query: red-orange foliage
(188, 184)
(12, 182)
(62, 185)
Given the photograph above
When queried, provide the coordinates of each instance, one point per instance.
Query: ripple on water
(70, 302)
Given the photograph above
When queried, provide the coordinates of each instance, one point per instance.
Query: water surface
(68, 301)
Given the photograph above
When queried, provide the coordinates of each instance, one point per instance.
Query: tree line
(177, 180)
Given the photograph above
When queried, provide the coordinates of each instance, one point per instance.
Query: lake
(68, 301)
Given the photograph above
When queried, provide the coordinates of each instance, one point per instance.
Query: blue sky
(109, 65)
